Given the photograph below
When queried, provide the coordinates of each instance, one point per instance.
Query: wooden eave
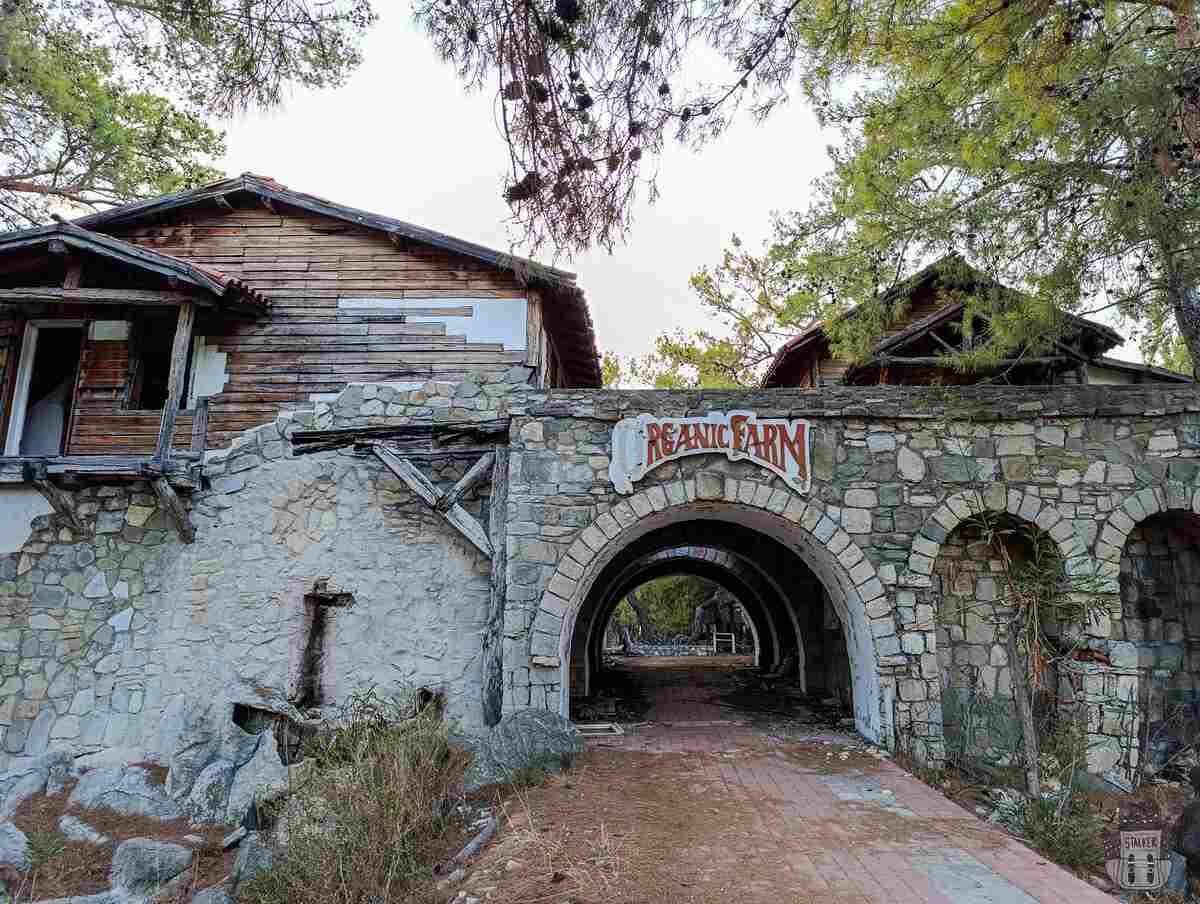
(813, 339)
(566, 314)
(189, 281)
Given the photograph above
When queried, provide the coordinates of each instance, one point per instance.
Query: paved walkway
(814, 816)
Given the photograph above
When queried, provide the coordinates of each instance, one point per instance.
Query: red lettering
(737, 426)
(653, 449)
(723, 436)
(668, 439)
(794, 447)
(687, 440)
(770, 446)
(754, 442)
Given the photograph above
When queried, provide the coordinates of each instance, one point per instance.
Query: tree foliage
(106, 101)
(669, 603)
(588, 90)
(1054, 144)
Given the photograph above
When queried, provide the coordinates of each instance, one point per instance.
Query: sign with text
(1141, 866)
(642, 443)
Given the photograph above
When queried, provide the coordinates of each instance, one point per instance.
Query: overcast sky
(404, 139)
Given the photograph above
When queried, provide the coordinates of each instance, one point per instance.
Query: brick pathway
(826, 821)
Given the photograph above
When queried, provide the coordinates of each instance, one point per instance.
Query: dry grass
(63, 868)
(376, 815)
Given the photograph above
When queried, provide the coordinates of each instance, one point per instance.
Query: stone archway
(799, 524)
(997, 498)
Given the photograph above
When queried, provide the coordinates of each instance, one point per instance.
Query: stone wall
(121, 639)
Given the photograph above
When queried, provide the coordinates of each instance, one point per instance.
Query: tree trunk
(1185, 302)
(1024, 704)
(643, 617)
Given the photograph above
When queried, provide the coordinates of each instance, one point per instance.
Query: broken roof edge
(910, 284)
(525, 269)
(148, 259)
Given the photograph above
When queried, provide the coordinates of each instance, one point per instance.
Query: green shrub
(1070, 833)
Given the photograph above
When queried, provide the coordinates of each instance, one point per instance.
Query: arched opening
(1157, 638)
(805, 613)
(982, 577)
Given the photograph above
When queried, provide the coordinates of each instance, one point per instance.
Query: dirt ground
(720, 791)
(63, 868)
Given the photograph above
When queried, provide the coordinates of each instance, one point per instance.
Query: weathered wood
(458, 517)
(493, 630)
(174, 506)
(74, 275)
(100, 296)
(940, 361)
(474, 474)
(59, 500)
(305, 442)
(199, 424)
(175, 387)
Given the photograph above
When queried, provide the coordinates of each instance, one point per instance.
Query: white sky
(404, 139)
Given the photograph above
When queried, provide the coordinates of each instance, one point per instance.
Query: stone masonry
(116, 639)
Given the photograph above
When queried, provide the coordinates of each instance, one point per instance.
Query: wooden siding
(306, 345)
(115, 432)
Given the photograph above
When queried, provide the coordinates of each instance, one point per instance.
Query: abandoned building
(263, 450)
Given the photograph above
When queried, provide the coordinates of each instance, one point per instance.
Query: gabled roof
(1132, 367)
(228, 290)
(955, 271)
(568, 315)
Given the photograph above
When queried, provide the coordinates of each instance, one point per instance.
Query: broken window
(150, 359)
(45, 387)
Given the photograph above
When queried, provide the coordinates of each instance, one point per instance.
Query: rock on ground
(142, 866)
(126, 789)
(529, 739)
(254, 856)
(215, 895)
(29, 778)
(210, 790)
(77, 830)
(262, 778)
(14, 848)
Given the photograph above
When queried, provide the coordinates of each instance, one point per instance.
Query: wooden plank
(456, 516)
(100, 296)
(59, 501)
(200, 425)
(493, 631)
(476, 473)
(179, 356)
(174, 506)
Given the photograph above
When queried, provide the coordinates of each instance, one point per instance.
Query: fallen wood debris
(414, 436)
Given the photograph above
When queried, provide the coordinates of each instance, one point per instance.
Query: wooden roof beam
(76, 295)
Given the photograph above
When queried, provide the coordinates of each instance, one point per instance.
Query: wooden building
(136, 338)
(928, 325)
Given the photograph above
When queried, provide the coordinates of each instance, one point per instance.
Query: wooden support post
(174, 506)
(475, 473)
(455, 515)
(175, 387)
(200, 425)
(59, 500)
(493, 630)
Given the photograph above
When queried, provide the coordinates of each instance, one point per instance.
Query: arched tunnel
(789, 609)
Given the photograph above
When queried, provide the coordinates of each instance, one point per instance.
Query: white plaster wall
(45, 421)
(1104, 376)
(492, 319)
(18, 507)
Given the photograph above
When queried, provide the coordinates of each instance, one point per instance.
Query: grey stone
(217, 894)
(126, 789)
(142, 866)
(262, 778)
(14, 848)
(528, 739)
(78, 830)
(910, 464)
(208, 800)
(254, 856)
(27, 779)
